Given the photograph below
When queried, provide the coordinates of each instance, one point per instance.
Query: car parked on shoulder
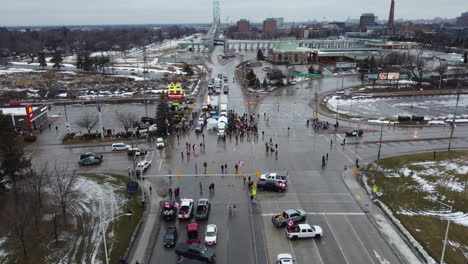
(143, 165)
(170, 237)
(271, 185)
(89, 161)
(355, 133)
(120, 147)
(211, 234)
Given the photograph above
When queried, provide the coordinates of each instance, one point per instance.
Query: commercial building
(366, 20)
(279, 21)
(243, 25)
(26, 117)
(290, 53)
(269, 26)
(463, 19)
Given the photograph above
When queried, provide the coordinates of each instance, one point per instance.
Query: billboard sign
(371, 76)
(383, 76)
(175, 92)
(341, 65)
(393, 75)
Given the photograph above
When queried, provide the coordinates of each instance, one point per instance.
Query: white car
(143, 165)
(120, 147)
(304, 231)
(201, 121)
(211, 234)
(186, 208)
(160, 143)
(284, 258)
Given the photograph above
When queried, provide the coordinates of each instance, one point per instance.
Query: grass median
(412, 185)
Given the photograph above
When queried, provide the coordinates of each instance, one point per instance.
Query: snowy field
(431, 107)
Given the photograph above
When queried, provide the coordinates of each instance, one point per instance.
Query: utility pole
(452, 128)
(316, 102)
(99, 108)
(337, 113)
(446, 231)
(380, 143)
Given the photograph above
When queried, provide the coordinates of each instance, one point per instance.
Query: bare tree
(126, 119)
(441, 70)
(417, 64)
(62, 184)
(87, 121)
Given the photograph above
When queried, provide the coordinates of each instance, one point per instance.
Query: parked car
(293, 215)
(186, 208)
(170, 238)
(203, 209)
(91, 155)
(211, 234)
(271, 185)
(204, 106)
(284, 258)
(120, 147)
(136, 152)
(196, 251)
(304, 231)
(169, 210)
(226, 90)
(266, 68)
(160, 142)
(89, 161)
(355, 133)
(193, 233)
(143, 165)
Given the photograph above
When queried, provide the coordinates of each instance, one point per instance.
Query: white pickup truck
(275, 176)
(304, 231)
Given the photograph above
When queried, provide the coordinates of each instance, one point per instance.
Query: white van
(120, 147)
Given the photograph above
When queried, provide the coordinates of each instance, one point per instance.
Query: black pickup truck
(196, 251)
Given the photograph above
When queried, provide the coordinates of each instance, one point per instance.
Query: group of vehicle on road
(192, 249)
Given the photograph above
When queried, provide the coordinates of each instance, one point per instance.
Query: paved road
(249, 236)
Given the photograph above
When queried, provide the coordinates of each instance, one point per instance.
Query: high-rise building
(279, 21)
(243, 25)
(463, 19)
(366, 20)
(269, 26)
(391, 15)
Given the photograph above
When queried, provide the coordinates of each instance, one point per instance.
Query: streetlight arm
(112, 219)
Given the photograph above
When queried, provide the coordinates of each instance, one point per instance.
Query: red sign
(29, 115)
(383, 76)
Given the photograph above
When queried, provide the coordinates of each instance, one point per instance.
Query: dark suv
(91, 155)
(355, 133)
(271, 185)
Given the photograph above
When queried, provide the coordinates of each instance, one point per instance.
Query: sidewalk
(387, 230)
(142, 246)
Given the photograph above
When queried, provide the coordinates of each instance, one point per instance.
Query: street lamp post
(452, 128)
(446, 231)
(380, 144)
(337, 113)
(103, 230)
(99, 108)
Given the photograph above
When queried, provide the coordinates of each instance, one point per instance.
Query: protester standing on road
(222, 169)
(169, 191)
(237, 168)
(151, 190)
(201, 189)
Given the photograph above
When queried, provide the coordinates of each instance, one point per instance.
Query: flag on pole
(240, 163)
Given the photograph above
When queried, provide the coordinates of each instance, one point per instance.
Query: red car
(193, 233)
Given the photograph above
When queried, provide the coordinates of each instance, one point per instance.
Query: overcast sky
(66, 12)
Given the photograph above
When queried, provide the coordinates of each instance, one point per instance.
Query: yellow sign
(208, 173)
(254, 186)
(254, 191)
(374, 188)
(178, 173)
(239, 173)
(257, 174)
(175, 88)
(208, 176)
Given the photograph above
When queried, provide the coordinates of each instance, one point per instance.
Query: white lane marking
(292, 249)
(360, 241)
(307, 201)
(253, 234)
(162, 159)
(333, 234)
(305, 194)
(381, 259)
(323, 213)
(318, 252)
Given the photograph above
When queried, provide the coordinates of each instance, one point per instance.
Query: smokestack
(391, 15)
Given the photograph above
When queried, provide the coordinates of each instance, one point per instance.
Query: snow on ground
(439, 107)
(431, 175)
(13, 70)
(3, 253)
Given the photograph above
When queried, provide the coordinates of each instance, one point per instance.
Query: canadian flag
(240, 163)
(290, 223)
(177, 205)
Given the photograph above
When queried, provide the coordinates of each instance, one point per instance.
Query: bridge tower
(216, 13)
